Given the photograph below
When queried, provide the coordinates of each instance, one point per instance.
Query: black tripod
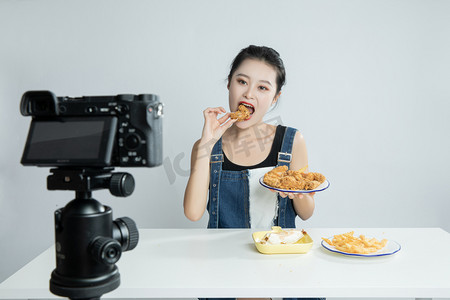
(88, 242)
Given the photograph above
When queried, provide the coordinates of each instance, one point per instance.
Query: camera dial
(122, 108)
(132, 141)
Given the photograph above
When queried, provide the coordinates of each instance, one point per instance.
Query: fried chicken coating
(312, 176)
(310, 185)
(281, 177)
(279, 171)
(290, 183)
(241, 114)
(272, 180)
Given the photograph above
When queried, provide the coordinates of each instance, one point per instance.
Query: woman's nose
(249, 93)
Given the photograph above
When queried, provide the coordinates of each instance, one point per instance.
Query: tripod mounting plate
(89, 179)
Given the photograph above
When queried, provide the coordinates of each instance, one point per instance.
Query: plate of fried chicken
(282, 179)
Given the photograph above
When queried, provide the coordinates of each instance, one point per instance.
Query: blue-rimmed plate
(320, 188)
(391, 247)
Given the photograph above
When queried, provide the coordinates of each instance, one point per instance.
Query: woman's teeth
(250, 108)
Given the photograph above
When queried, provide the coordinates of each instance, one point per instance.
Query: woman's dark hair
(265, 54)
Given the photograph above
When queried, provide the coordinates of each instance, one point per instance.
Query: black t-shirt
(270, 161)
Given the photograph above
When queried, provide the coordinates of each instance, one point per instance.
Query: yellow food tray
(301, 246)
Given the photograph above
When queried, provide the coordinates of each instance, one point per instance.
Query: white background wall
(367, 85)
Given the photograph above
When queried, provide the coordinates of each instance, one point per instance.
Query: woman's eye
(242, 81)
(263, 88)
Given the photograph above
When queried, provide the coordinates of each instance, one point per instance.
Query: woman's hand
(303, 203)
(196, 193)
(295, 195)
(215, 127)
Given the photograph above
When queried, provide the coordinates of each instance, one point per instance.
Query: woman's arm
(196, 193)
(303, 203)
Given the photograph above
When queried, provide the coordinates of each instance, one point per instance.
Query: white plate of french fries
(348, 244)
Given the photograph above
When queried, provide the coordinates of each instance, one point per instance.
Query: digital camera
(93, 131)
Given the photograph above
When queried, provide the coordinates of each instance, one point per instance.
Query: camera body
(95, 131)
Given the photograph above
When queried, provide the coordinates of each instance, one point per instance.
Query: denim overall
(228, 203)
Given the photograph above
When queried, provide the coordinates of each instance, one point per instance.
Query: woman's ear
(275, 99)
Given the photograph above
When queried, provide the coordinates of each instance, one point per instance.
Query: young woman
(231, 156)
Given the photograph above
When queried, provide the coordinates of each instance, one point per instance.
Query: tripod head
(88, 242)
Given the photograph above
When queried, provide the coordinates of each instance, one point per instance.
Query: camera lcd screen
(70, 142)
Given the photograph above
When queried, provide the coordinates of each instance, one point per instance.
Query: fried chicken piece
(290, 173)
(310, 185)
(312, 176)
(308, 176)
(279, 171)
(273, 177)
(319, 177)
(300, 184)
(272, 180)
(290, 183)
(287, 182)
(241, 114)
(297, 175)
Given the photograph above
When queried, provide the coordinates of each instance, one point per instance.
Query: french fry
(302, 170)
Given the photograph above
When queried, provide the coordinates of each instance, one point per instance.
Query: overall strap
(214, 178)
(286, 212)
(216, 153)
(285, 154)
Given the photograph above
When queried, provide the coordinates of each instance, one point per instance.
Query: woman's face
(254, 85)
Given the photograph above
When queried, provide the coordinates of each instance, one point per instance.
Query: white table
(189, 263)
